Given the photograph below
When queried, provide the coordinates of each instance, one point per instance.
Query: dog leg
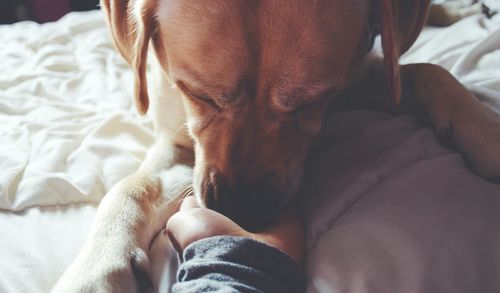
(433, 94)
(114, 256)
(456, 115)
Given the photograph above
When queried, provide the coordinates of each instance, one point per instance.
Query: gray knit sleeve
(237, 264)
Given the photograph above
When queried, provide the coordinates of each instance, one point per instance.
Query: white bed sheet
(69, 132)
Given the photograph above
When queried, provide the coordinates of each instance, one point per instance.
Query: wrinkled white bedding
(68, 132)
(403, 213)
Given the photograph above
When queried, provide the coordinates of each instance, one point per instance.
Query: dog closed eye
(199, 98)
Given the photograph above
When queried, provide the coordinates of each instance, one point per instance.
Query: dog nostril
(212, 189)
(209, 195)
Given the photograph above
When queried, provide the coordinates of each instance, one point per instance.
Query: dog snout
(250, 205)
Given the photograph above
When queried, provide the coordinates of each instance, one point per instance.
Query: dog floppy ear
(400, 23)
(132, 24)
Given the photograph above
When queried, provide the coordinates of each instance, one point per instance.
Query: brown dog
(254, 80)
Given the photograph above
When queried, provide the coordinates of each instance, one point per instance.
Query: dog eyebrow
(223, 94)
(194, 77)
(302, 97)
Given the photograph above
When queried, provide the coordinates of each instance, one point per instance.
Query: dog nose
(210, 187)
(250, 206)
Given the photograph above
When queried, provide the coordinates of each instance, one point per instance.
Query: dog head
(257, 78)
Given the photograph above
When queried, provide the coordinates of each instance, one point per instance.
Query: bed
(403, 215)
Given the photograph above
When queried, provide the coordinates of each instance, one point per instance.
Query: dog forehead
(236, 26)
(199, 13)
(222, 14)
(226, 39)
(202, 24)
(205, 38)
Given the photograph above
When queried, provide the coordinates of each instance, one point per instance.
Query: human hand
(193, 223)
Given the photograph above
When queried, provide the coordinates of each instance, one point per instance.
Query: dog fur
(253, 81)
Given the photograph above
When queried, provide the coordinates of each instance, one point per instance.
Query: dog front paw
(477, 135)
(103, 272)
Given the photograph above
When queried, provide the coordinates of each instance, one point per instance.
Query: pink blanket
(388, 209)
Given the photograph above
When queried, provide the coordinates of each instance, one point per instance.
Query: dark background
(41, 10)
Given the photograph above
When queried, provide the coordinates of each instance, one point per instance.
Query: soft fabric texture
(237, 264)
(404, 215)
(68, 128)
(386, 207)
